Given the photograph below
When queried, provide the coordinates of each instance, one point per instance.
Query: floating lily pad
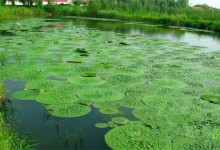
(26, 94)
(42, 84)
(68, 110)
(109, 111)
(124, 79)
(134, 137)
(100, 94)
(168, 83)
(87, 81)
(111, 124)
(157, 100)
(60, 95)
(120, 120)
(101, 125)
(106, 104)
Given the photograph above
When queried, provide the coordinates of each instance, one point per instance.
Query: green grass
(8, 137)
(13, 12)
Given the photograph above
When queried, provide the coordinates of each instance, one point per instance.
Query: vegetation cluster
(9, 13)
(165, 12)
(9, 138)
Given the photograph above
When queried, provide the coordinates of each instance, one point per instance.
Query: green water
(98, 84)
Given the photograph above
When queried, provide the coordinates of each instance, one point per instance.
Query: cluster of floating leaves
(172, 88)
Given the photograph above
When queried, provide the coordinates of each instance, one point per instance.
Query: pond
(77, 83)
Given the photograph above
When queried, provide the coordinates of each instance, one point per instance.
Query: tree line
(144, 5)
(123, 5)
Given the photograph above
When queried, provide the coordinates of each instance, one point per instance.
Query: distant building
(45, 2)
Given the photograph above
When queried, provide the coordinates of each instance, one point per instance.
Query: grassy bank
(9, 139)
(16, 12)
(182, 17)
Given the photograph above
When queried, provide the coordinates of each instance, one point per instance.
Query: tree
(94, 6)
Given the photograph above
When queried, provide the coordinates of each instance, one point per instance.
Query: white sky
(213, 3)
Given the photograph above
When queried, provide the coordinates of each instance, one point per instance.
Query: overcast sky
(213, 3)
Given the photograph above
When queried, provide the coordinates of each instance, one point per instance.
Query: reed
(16, 12)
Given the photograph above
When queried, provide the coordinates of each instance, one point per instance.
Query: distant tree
(94, 6)
(77, 2)
(2, 2)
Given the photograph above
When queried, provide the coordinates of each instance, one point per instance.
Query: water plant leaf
(26, 95)
(101, 125)
(86, 81)
(61, 95)
(125, 79)
(68, 110)
(111, 124)
(109, 111)
(134, 136)
(168, 83)
(157, 100)
(120, 120)
(100, 94)
(42, 84)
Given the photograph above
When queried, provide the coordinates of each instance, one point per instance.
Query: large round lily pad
(87, 80)
(134, 136)
(157, 100)
(168, 83)
(26, 94)
(109, 110)
(120, 120)
(42, 84)
(125, 79)
(100, 94)
(68, 110)
(61, 95)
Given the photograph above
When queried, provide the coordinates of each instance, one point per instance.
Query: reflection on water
(210, 40)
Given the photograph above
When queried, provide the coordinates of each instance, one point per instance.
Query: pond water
(150, 87)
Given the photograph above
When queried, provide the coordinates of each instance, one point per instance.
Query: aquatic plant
(109, 111)
(125, 79)
(42, 84)
(100, 94)
(26, 94)
(168, 83)
(61, 95)
(101, 125)
(156, 101)
(120, 120)
(86, 80)
(111, 124)
(134, 137)
(68, 110)
(106, 104)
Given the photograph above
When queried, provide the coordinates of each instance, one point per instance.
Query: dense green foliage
(166, 12)
(8, 12)
(8, 137)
